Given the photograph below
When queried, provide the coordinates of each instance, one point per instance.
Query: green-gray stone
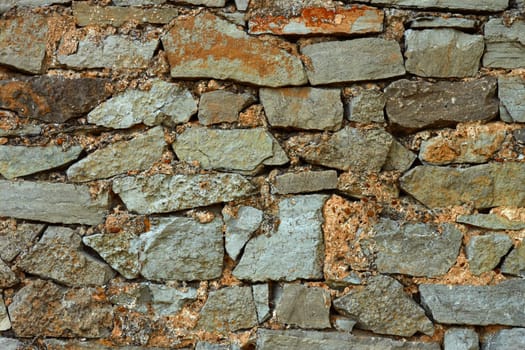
(305, 307)
(511, 92)
(261, 297)
(505, 44)
(441, 22)
(14, 241)
(449, 5)
(514, 263)
(222, 106)
(367, 107)
(508, 339)
(239, 229)
(399, 158)
(491, 221)
(485, 252)
(461, 339)
(7, 276)
(307, 181)
(5, 323)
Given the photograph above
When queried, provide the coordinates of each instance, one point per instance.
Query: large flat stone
(491, 222)
(239, 228)
(508, 339)
(305, 307)
(227, 52)
(14, 240)
(472, 5)
(485, 252)
(511, 92)
(222, 106)
(307, 181)
(425, 22)
(505, 44)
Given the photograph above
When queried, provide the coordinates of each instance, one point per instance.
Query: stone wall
(273, 174)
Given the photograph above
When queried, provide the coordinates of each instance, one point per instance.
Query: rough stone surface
(138, 2)
(308, 181)
(367, 107)
(511, 92)
(195, 52)
(167, 300)
(52, 202)
(344, 324)
(485, 186)
(59, 256)
(15, 240)
(442, 22)
(10, 343)
(474, 5)
(59, 344)
(367, 184)
(491, 221)
(303, 108)
(399, 158)
(210, 346)
(305, 307)
(7, 276)
(505, 44)
(461, 339)
(242, 5)
(163, 103)
(353, 60)
(501, 304)
(514, 263)
(485, 252)
(164, 193)
(240, 228)
(207, 3)
(519, 135)
(414, 105)
(508, 339)
(294, 250)
(25, 130)
(222, 106)
(229, 309)
(5, 323)
(81, 314)
(261, 298)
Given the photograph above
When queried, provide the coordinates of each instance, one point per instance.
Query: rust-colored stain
(20, 97)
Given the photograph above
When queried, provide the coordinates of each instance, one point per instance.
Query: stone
(228, 309)
(23, 42)
(368, 184)
(367, 107)
(353, 60)
(113, 51)
(163, 103)
(139, 153)
(485, 252)
(182, 249)
(5, 323)
(414, 105)
(59, 256)
(500, 304)
(449, 5)
(24, 130)
(241, 150)
(484, 186)
(305, 307)
(86, 14)
(60, 344)
(52, 202)
(383, 307)
(443, 53)
(210, 346)
(505, 44)
(307, 181)
(207, 3)
(7, 276)
(241, 5)
(221, 106)
(508, 339)
(461, 339)
(416, 249)
(514, 263)
(10, 343)
(14, 240)
(442, 22)
(161, 193)
(18, 161)
(8, 4)
(167, 300)
(261, 298)
(81, 313)
(294, 251)
(511, 92)
(344, 324)
(399, 158)
(195, 52)
(491, 222)
(239, 228)
(237, 18)
(303, 108)
(138, 2)
(53, 99)
(519, 135)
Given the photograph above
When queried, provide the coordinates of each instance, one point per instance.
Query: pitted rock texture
(7, 276)
(291, 308)
(485, 252)
(14, 240)
(511, 339)
(367, 107)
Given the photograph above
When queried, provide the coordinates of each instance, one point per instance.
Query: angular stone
(261, 298)
(222, 106)
(443, 53)
(15, 240)
(178, 248)
(303, 108)
(383, 307)
(305, 307)
(23, 42)
(399, 158)
(10, 343)
(491, 221)
(505, 44)
(441, 22)
(241, 5)
(7, 276)
(353, 60)
(344, 324)
(511, 92)
(5, 323)
(59, 256)
(228, 309)
(138, 2)
(237, 18)
(485, 252)
(294, 251)
(52, 202)
(414, 105)
(211, 346)
(519, 135)
(508, 339)
(227, 53)
(24, 130)
(367, 107)
(164, 193)
(449, 5)
(485, 186)
(35, 308)
(167, 300)
(207, 3)
(8, 4)
(59, 344)
(308, 181)
(113, 51)
(501, 304)
(237, 149)
(53, 99)
(163, 103)
(240, 228)
(514, 263)
(17, 161)
(461, 339)
(416, 249)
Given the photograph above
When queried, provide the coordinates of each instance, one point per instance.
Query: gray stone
(369, 184)
(195, 52)
(484, 186)
(261, 298)
(500, 304)
(416, 249)
(7, 276)
(179, 248)
(113, 51)
(17, 161)
(161, 193)
(23, 130)
(441, 22)
(60, 344)
(79, 313)
(505, 44)
(414, 105)
(519, 135)
(138, 2)
(163, 103)
(491, 221)
(59, 256)
(508, 339)
(367, 107)
(303, 108)
(485, 252)
(353, 60)
(207, 3)
(308, 181)
(514, 263)
(241, 150)
(5, 323)
(235, 17)
(241, 5)
(167, 300)
(511, 92)
(295, 250)
(461, 339)
(14, 240)
(10, 343)
(239, 228)
(399, 158)
(228, 309)
(8, 4)
(305, 307)
(449, 5)
(52, 202)
(344, 324)
(211, 346)
(222, 106)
